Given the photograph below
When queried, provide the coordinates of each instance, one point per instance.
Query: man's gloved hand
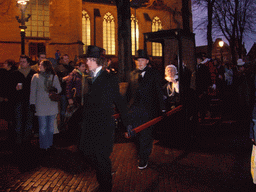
(33, 108)
(130, 132)
(164, 113)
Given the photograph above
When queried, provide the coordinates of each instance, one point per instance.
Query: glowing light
(221, 43)
(22, 2)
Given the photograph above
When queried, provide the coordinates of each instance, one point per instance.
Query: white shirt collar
(205, 61)
(96, 71)
(143, 73)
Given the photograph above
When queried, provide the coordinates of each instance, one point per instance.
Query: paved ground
(215, 159)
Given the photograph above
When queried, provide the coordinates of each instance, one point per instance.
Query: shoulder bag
(53, 93)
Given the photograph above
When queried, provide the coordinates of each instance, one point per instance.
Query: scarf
(170, 79)
(25, 72)
(171, 87)
(47, 81)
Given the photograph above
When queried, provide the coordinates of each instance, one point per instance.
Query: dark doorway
(34, 49)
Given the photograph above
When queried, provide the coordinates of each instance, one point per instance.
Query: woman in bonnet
(171, 87)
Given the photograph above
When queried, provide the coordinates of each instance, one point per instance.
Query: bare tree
(208, 5)
(235, 19)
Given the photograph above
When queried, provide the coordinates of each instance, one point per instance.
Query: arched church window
(134, 34)
(86, 30)
(109, 34)
(156, 47)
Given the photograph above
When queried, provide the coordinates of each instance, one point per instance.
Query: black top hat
(141, 54)
(94, 51)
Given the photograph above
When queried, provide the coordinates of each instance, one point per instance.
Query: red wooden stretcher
(131, 132)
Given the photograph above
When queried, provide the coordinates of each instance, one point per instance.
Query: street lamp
(221, 43)
(22, 5)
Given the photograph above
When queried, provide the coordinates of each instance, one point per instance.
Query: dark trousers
(73, 132)
(102, 164)
(204, 104)
(144, 143)
(23, 121)
(144, 139)
(63, 107)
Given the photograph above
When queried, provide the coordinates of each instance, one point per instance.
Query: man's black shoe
(143, 164)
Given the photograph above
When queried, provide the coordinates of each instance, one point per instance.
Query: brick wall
(66, 29)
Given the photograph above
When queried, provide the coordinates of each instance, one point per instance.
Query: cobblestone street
(212, 163)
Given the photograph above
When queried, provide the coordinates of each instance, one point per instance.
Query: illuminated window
(86, 30)
(38, 24)
(109, 34)
(134, 32)
(156, 47)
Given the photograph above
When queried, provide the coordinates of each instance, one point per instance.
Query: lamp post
(22, 5)
(221, 43)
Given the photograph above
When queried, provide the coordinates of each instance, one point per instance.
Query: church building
(71, 25)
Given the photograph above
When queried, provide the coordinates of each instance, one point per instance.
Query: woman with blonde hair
(171, 86)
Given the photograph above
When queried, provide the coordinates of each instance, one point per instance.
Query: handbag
(53, 93)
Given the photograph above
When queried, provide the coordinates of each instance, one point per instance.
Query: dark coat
(148, 94)
(4, 79)
(186, 78)
(98, 121)
(62, 71)
(203, 78)
(74, 80)
(24, 94)
(6, 110)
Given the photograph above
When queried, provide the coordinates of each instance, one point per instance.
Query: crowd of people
(232, 84)
(90, 89)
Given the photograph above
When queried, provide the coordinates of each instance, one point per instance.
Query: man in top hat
(98, 123)
(145, 102)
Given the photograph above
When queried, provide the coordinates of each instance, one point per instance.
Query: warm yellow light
(22, 30)
(221, 43)
(22, 2)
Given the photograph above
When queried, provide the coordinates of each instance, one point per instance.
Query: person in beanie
(145, 102)
(98, 122)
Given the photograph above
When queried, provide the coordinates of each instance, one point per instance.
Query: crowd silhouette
(82, 115)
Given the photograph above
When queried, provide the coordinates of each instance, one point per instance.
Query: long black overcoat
(146, 96)
(98, 122)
